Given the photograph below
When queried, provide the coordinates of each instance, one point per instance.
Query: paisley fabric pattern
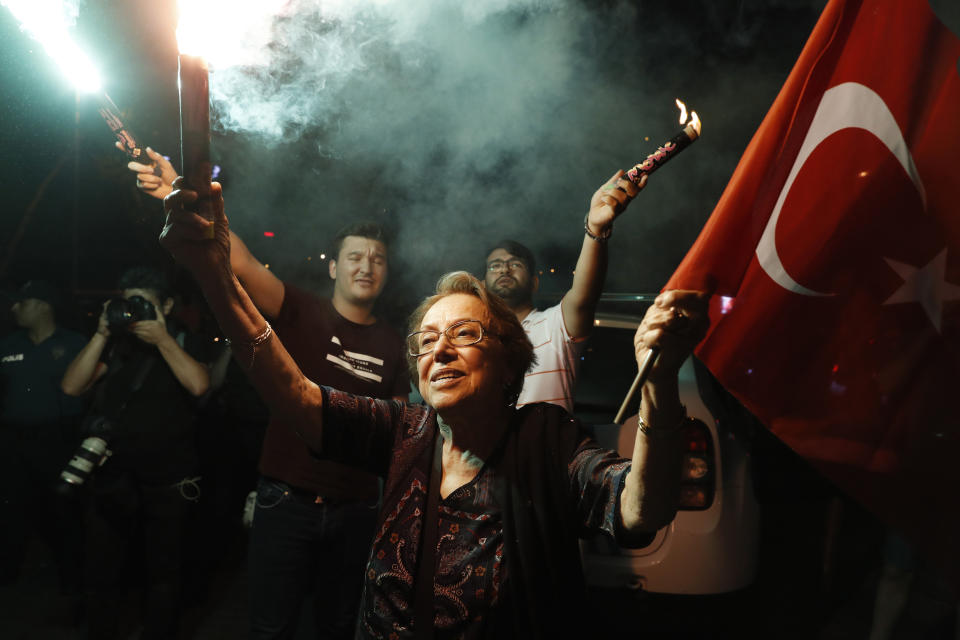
(470, 572)
(474, 593)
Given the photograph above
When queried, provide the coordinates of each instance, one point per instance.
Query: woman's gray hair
(503, 324)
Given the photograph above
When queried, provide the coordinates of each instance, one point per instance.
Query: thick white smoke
(458, 124)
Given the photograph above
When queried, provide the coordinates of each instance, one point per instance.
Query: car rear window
(607, 368)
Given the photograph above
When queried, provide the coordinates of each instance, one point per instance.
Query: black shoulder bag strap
(423, 594)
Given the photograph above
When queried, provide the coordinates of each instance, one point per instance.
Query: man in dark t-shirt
(38, 430)
(314, 519)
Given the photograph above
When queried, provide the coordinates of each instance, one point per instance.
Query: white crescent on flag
(846, 106)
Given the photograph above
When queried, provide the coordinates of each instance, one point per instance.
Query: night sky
(452, 126)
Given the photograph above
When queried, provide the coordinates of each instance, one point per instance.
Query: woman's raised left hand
(675, 323)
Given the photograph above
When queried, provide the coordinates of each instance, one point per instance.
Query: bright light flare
(197, 18)
(50, 22)
(683, 110)
(227, 32)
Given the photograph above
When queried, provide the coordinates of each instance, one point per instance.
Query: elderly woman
(483, 503)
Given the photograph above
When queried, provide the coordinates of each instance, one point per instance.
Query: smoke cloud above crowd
(458, 124)
(453, 124)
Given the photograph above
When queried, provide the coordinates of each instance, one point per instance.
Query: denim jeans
(299, 548)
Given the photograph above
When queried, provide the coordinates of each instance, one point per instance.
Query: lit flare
(227, 32)
(670, 148)
(50, 23)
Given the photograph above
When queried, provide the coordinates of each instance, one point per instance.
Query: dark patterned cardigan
(546, 505)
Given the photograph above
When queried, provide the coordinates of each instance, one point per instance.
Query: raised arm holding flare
(558, 333)
(313, 513)
(580, 302)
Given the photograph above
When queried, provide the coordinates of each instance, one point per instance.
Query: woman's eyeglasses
(459, 334)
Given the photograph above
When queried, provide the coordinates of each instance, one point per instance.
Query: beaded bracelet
(601, 238)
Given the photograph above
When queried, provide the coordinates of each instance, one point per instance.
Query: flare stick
(128, 142)
(668, 150)
(195, 130)
(638, 381)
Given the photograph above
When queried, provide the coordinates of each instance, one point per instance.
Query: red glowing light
(268, 234)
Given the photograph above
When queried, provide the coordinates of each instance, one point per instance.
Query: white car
(711, 546)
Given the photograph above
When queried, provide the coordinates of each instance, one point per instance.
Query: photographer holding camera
(145, 378)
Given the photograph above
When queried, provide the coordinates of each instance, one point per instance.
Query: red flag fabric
(836, 254)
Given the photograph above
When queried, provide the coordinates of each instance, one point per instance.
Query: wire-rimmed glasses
(514, 264)
(459, 334)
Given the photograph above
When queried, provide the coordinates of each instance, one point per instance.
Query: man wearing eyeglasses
(557, 333)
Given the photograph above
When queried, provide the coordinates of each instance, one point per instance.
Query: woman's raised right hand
(186, 233)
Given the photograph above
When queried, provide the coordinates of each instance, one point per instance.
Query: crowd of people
(428, 486)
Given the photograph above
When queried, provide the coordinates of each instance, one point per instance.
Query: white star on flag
(925, 285)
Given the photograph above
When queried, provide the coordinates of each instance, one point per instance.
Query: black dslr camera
(122, 312)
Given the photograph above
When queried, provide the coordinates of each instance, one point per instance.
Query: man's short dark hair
(146, 278)
(514, 248)
(369, 230)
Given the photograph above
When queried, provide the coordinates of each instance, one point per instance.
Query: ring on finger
(679, 317)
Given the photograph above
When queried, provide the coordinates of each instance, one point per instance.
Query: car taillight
(697, 471)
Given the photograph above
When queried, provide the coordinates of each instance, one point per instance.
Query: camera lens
(122, 312)
(119, 313)
(87, 458)
(142, 308)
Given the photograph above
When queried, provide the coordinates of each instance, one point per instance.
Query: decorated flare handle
(662, 155)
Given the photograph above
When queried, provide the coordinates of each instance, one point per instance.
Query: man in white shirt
(558, 333)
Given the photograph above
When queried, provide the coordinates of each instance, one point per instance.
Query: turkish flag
(835, 249)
